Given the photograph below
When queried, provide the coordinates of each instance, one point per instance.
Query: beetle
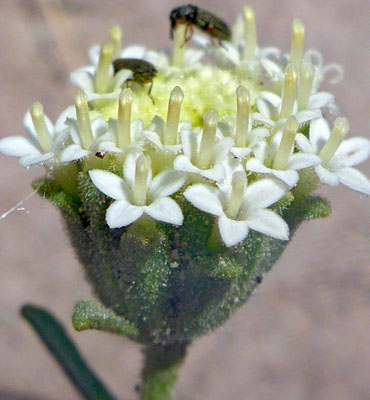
(142, 71)
(202, 19)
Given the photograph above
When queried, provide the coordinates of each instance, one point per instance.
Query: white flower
(339, 169)
(265, 160)
(139, 194)
(29, 149)
(76, 150)
(269, 108)
(251, 214)
(187, 162)
(108, 143)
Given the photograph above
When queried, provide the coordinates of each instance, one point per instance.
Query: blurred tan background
(305, 333)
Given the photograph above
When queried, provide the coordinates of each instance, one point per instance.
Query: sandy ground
(305, 333)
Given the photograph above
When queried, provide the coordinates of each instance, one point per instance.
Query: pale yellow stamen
(173, 116)
(43, 134)
(305, 85)
(141, 180)
(102, 77)
(289, 92)
(205, 155)
(115, 35)
(296, 49)
(250, 41)
(124, 118)
(180, 45)
(237, 192)
(242, 119)
(83, 120)
(286, 144)
(340, 130)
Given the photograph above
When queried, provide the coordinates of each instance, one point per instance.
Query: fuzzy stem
(160, 370)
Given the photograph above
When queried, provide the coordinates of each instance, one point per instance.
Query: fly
(192, 16)
(142, 71)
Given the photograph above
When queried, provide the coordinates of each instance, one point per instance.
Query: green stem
(160, 370)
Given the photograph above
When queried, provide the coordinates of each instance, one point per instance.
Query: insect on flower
(202, 19)
(142, 71)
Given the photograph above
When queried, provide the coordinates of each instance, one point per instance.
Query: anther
(286, 144)
(180, 45)
(42, 132)
(250, 41)
(242, 119)
(210, 120)
(289, 92)
(173, 116)
(115, 37)
(83, 120)
(340, 130)
(141, 180)
(296, 49)
(103, 68)
(305, 85)
(238, 184)
(124, 118)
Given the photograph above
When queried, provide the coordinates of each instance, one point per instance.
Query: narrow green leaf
(88, 314)
(55, 338)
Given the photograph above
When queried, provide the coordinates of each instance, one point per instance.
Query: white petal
(272, 98)
(110, 184)
(120, 213)
(189, 140)
(152, 137)
(319, 134)
(241, 152)
(83, 79)
(320, 100)
(222, 148)
(353, 151)
(217, 173)
(18, 146)
(166, 183)
(165, 209)
(255, 165)
(325, 176)
(73, 152)
(303, 143)
(29, 160)
(60, 124)
(269, 223)
(73, 130)
(232, 232)
(94, 54)
(28, 125)
(260, 118)
(204, 197)
(192, 56)
(129, 167)
(263, 193)
(182, 163)
(263, 109)
(289, 176)
(271, 67)
(98, 127)
(120, 77)
(307, 115)
(303, 160)
(354, 179)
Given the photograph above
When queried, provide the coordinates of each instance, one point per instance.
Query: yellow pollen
(141, 180)
(102, 77)
(305, 85)
(115, 37)
(296, 49)
(250, 41)
(124, 118)
(286, 144)
(238, 185)
(289, 92)
(205, 155)
(180, 45)
(173, 116)
(340, 130)
(42, 132)
(83, 120)
(242, 120)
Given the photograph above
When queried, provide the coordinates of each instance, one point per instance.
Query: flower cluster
(234, 128)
